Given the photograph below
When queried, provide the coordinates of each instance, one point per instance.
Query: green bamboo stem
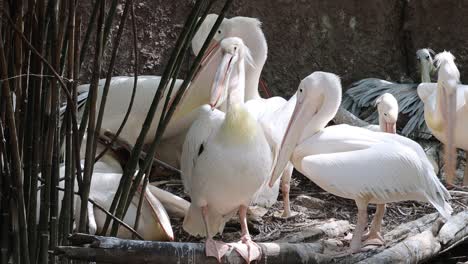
(89, 31)
(67, 202)
(131, 165)
(15, 156)
(163, 124)
(5, 209)
(105, 91)
(89, 159)
(135, 83)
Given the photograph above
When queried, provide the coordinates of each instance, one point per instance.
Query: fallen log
(413, 242)
(114, 250)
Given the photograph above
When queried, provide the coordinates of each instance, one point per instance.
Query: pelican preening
(363, 93)
(387, 108)
(355, 163)
(445, 109)
(225, 158)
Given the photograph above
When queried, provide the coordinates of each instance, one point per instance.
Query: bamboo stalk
(67, 202)
(105, 91)
(89, 159)
(135, 82)
(89, 31)
(163, 124)
(131, 165)
(5, 199)
(15, 156)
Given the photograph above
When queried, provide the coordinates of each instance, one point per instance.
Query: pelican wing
(199, 133)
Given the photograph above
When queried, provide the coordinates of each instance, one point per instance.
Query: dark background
(355, 39)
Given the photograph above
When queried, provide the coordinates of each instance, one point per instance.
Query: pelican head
(318, 100)
(387, 106)
(234, 53)
(250, 31)
(448, 78)
(424, 56)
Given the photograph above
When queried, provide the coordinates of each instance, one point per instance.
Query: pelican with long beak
(387, 108)
(354, 162)
(445, 111)
(225, 158)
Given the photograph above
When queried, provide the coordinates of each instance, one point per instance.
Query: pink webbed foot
(248, 249)
(216, 249)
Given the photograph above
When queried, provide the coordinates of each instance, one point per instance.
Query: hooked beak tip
(212, 107)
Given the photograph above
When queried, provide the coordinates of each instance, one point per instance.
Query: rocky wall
(354, 39)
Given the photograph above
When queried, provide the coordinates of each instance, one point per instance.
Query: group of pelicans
(233, 146)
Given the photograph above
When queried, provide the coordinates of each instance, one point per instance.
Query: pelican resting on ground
(363, 93)
(154, 222)
(387, 109)
(353, 162)
(170, 148)
(225, 158)
(445, 110)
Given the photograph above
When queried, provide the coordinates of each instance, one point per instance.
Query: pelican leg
(285, 186)
(213, 248)
(248, 249)
(374, 236)
(356, 242)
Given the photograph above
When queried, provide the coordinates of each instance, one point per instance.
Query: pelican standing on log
(445, 110)
(225, 158)
(353, 162)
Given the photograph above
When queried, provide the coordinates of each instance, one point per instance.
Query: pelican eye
(219, 31)
(235, 47)
(385, 114)
(427, 57)
(300, 90)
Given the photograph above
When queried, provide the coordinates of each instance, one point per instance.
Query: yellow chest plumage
(238, 127)
(433, 122)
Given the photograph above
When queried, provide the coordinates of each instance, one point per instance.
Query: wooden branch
(424, 239)
(343, 116)
(114, 250)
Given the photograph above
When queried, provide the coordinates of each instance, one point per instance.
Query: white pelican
(445, 109)
(353, 162)
(225, 158)
(273, 114)
(363, 93)
(387, 108)
(198, 94)
(153, 224)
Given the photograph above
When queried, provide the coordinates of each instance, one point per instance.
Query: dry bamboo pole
(89, 158)
(15, 157)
